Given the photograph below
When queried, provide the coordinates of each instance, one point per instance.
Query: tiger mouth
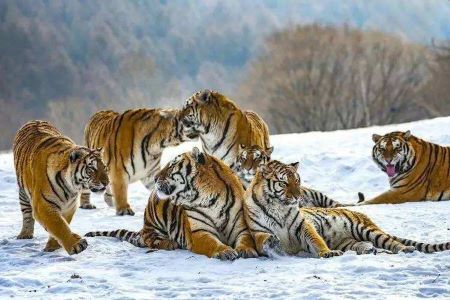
(391, 170)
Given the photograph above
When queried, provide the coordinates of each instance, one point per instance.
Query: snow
(336, 163)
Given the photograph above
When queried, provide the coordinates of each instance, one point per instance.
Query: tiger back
(133, 143)
(222, 126)
(51, 172)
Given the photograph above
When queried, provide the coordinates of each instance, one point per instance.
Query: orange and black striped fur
(197, 205)
(250, 159)
(222, 126)
(51, 172)
(133, 142)
(417, 170)
(276, 221)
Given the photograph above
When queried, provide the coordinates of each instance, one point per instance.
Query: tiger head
(281, 182)
(87, 170)
(393, 152)
(250, 159)
(175, 133)
(174, 181)
(203, 110)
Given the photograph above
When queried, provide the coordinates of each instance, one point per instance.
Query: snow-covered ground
(337, 163)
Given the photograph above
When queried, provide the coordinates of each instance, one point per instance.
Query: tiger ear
(241, 147)
(204, 96)
(198, 156)
(376, 137)
(269, 151)
(75, 155)
(295, 165)
(265, 170)
(407, 134)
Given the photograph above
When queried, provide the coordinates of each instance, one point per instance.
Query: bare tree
(324, 78)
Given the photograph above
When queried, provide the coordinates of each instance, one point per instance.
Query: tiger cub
(417, 170)
(222, 126)
(196, 205)
(51, 172)
(251, 158)
(276, 221)
(133, 143)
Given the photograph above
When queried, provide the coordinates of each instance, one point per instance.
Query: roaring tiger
(133, 143)
(277, 223)
(417, 170)
(51, 172)
(250, 159)
(222, 126)
(197, 205)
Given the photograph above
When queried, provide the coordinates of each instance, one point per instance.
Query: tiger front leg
(205, 243)
(316, 243)
(245, 246)
(52, 220)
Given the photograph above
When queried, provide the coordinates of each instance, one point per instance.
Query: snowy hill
(337, 163)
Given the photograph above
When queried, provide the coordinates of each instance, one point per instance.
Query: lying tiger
(133, 142)
(276, 222)
(251, 158)
(417, 170)
(51, 172)
(222, 126)
(196, 205)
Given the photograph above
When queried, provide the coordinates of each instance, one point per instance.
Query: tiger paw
(331, 253)
(25, 236)
(166, 245)
(78, 247)
(109, 200)
(408, 249)
(246, 252)
(87, 206)
(271, 243)
(52, 245)
(226, 254)
(124, 211)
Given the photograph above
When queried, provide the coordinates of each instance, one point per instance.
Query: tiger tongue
(390, 170)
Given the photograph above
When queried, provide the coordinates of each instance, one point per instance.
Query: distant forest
(303, 65)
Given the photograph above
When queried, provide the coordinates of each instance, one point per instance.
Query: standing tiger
(133, 143)
(250, 159)
(222, 125)
(276, 221)
(417, 170)
(51, 172)
(197, 205)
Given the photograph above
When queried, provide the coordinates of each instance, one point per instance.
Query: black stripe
(224, 134)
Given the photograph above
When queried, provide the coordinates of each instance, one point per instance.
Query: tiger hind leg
(28, 220)
(108, 197)
(85, 201)
(357, 246)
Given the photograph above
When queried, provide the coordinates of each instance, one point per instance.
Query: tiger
(251, 158)
(278, 224)
(197, 204)
(417, 170)
(51, 173)
(222, 126)
(133, 142)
